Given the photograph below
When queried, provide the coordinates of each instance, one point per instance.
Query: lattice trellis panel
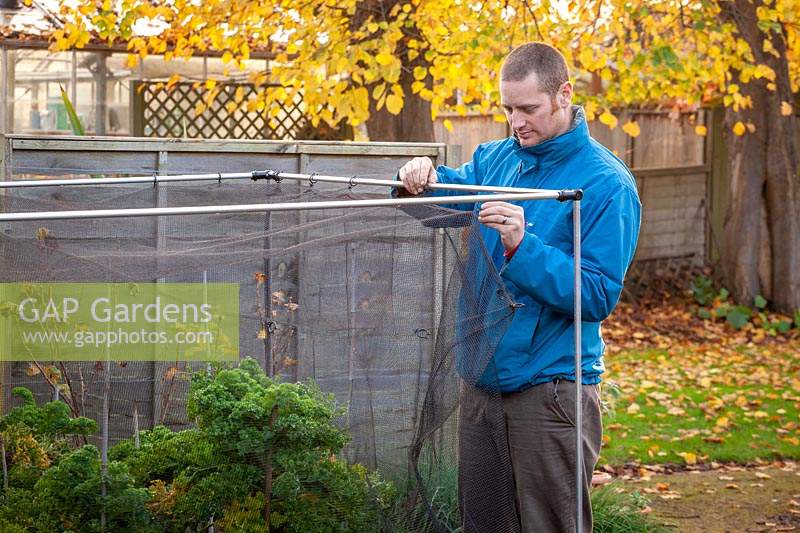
(161, 112)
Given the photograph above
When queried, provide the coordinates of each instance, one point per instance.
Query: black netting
(393, 313)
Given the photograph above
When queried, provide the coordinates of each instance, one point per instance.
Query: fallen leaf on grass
(689, 457)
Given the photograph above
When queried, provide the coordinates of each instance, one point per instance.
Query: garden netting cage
(281, 370)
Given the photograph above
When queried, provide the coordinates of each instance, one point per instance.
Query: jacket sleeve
(466, 174)
(608, 242)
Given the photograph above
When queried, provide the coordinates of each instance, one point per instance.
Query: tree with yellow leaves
(395, 64)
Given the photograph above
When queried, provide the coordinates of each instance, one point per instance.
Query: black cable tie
(271, 325)
(311, 179)
(422, 333)
(155, 179)
(219, 178)
(352, 183)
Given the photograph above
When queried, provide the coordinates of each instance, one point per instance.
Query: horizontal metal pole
(289, 206)
(221, 176)
(151, 180)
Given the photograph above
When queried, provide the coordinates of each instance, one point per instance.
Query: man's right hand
(417, 174)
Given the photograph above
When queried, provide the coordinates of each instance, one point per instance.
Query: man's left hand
(506, 218)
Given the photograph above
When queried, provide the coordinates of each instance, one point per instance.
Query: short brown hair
(540, 58)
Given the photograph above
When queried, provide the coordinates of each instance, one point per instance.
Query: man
(531, 244)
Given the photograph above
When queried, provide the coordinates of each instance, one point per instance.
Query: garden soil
(726, 500)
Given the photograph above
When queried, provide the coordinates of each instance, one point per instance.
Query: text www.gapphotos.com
(79, 339)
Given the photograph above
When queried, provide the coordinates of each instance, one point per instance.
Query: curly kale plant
(274, 465)
(263, 457)
(68, 497)
(35, 436)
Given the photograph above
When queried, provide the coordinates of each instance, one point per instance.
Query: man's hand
(506, 218)
(417, 174)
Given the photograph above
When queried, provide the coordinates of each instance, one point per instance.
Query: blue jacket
(538, 346)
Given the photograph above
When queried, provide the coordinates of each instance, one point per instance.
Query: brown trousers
(517, 458)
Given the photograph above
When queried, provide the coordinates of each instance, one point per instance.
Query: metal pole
(101, 94)
(219, 177)
(9, 80)
(269, 343)
(576, 223)
(4, 89)
(289, 206)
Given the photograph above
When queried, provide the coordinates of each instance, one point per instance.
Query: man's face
(534, 115)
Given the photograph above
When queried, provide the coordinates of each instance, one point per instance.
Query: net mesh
(387, 317)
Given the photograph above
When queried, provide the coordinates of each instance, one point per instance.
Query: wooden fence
(675, 202)
(681, 176)
(331, 281)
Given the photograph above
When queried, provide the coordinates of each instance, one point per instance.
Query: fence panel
(671, 163)
(153, 392)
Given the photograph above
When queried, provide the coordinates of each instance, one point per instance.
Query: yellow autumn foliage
(343, 55)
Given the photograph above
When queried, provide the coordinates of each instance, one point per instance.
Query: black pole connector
(570, 194)
(265, 175)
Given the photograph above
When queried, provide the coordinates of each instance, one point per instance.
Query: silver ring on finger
(505, 219)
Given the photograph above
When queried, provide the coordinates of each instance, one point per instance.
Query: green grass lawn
(698, 404)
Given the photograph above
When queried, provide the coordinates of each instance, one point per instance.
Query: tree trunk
(761, 251)
(412, 124)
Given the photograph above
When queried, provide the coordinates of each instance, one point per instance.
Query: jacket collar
(553, 150)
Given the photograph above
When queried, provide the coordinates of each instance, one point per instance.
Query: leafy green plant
(264, 452)
(286, 431)
(52, 487)
(49, 420)
(35, 436)
(68, 497)
(610, 398)
(703, 290)
(74, 121)
(715, 305)
(616, 511)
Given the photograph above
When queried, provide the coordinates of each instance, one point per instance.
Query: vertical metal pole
(209, 366)
(104, 422)
(4, 92)
(10, 81)
(576, 224)
(101, 95)
(8, 62)
(268, 344)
